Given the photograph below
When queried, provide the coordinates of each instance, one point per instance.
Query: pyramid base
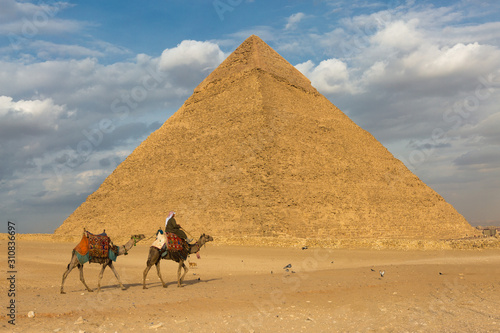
(364, 243)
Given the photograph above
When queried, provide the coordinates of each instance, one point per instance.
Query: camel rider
(172, 226)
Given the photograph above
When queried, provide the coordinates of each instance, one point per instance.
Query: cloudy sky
(83, 83)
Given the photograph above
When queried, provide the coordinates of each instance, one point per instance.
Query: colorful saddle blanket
(83, 247)
(175, 243)
(98, 245)
(95, 248)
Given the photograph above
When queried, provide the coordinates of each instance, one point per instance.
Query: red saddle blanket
(174, 242)
(83, 247)
(97, 246)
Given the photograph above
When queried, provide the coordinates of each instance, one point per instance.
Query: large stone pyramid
(257, 151)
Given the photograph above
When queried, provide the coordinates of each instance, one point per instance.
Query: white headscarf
(170, 215)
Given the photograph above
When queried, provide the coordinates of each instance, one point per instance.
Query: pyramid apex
(254, 37)
(255, 54)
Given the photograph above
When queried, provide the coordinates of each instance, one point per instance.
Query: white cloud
(45, 108)
(27, 20)
(293, 20)
(329, 77)
(481, 33)
(399, 34)
(90, 87)
(49, 50)
(88, 177)
(451, 60)
(406, 51)
(204, 56)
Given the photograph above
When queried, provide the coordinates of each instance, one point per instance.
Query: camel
(154, 258)
(120, 251)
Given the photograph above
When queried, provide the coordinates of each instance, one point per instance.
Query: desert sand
(247, 289)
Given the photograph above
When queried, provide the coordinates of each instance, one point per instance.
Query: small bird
(304, 248)
(287, 270)
(372, 270)
(382, 273)
(287, 266)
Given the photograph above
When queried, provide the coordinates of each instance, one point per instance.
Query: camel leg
(159, 274)
(65, 275)
(153, 259)
(72, 264)
(179, 275)
(185, 272)
(101, 273)
(179, 278)
(146, 271)
(80, 267)
(116, 274)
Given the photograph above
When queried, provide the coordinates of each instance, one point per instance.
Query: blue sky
(83, 83)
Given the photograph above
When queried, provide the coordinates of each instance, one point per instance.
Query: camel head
(206, 238)
(134, 239)
(131, 243)
(137, 238)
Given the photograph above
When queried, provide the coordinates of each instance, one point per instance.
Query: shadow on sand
(174, 283)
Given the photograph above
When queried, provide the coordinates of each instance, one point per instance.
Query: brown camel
(120, 251)
(154, 258)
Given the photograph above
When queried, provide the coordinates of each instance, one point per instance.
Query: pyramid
(257, 151)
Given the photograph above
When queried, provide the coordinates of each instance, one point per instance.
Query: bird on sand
(382, 273)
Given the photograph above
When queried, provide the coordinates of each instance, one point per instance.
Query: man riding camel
(172, 226)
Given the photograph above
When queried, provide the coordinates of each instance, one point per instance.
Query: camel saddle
(95, 248)
(175, 243)
(98, 245)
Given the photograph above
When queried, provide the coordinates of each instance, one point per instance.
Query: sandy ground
(246, 289)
